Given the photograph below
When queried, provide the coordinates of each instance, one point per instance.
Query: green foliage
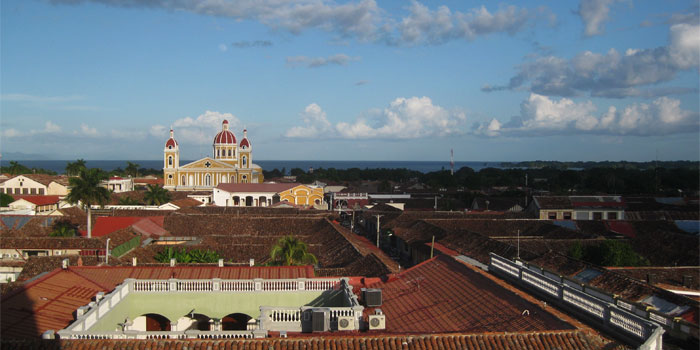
(86, 188)
(74, 168)
(290, 251)
(16, 168)
(132, 169)
(185, 257)
(156, 195)
(5, 200)
(63, 228)
(128, 201)
(608, 253)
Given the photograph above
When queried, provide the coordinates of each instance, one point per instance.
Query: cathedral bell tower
(171, 161)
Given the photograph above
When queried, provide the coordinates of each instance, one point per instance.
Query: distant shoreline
(58, 166)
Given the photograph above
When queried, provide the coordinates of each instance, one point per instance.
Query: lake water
(59, 166)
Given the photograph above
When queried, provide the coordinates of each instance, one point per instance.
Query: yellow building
(231, 162)
(303, 195)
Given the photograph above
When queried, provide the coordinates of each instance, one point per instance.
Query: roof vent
(133, 261)
(64, 263)
(372, 297)
(221, 262)
(172, 262)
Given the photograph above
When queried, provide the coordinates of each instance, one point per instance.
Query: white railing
(646, 334)
(237, 286)
(151, 286)
(195, 286)
(280, 285)
(285, 315)
(317, 285)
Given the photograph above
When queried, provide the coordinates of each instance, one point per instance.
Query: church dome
(171, 143)
(225, 136)
(245, 143)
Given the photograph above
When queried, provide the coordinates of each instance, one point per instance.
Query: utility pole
(518, 252)
(107, 252)
(378, 216)
(352, 222)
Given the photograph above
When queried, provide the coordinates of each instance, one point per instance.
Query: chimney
(252, 262)
(651, 278)
(221, 262)
(134, 261)
(172, 262)
(64, 263)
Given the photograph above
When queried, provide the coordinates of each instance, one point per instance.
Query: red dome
(245, 143)
(171, 143)
(226, 137)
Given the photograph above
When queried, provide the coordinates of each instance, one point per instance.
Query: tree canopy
(156, 195)
(290, 251)
(86, 189)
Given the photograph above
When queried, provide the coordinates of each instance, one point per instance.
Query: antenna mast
(452, 161)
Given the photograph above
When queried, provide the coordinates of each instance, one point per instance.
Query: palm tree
(128, 201)
(132, 169)
(156, 195)
(86, 189)
(16, 168)
(74, 168)
(290, 251)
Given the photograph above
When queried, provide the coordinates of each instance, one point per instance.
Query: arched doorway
(249, 201)
(235, 322)
(262, 201)
(156, 322)
(236, 201)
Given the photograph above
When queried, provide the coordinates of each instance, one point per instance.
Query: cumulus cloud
(315, 123)
(360, 19)
(613, 74)
(88, 131)
(424, 25)
(540, 115)
(11, 132)
(244, 44)
(315, 62)
(404, 118)
(198, 130)
(50, 127)
(594, 14)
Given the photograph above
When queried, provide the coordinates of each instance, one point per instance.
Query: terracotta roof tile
(551, 340)
(41, 200)
(443, 295)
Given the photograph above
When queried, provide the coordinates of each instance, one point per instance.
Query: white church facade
(231, 162)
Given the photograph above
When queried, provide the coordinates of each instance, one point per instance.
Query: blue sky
(352, 80)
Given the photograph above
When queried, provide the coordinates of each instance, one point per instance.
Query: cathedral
(231, 162)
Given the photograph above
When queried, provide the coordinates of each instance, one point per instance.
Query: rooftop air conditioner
(346, 323)
(372, 297)
(377, 322)
(319, 321)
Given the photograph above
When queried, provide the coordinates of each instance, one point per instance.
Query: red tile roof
(443, 295)
(621, 227)
(551, 340)
(263, 187)
(49, 302)
(105, 225)
(41, 200)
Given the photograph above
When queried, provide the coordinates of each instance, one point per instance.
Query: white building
(118, 184)
(36, 184)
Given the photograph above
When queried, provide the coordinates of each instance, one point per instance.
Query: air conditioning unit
(377, 322)
(372, 297)
(319, 321)
(346, 323)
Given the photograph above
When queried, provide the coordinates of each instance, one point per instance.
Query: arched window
(218, 153)
(233, 179)
(170, 160)
(184, 181)
(229, 152)
(207, 180)
(245, 159)
(244, 179)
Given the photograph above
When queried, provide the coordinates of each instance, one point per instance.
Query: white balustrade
(620, 320)
(584, 304)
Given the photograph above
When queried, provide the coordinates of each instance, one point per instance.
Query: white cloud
(594, 14)
(198, 130)
(223, 47)
(613, 74)
(50, 127)
(423, 25)
(11, 132)
(316, 124)
(88, 131)
(540, 115)
(360, 19)
(404, 118)
(315, 62)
